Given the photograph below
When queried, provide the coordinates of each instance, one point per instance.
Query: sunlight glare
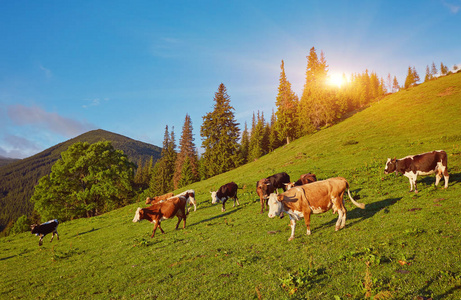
(336, 79)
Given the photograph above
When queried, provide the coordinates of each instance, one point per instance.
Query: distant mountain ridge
(18, 177)
(6, 160)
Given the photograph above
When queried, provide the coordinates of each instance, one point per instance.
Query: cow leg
(341, 223)
(52, 235)
(307, 220)
(224, 205)
(40, 242)
(444, 171)
(236, 199)
(179, 220)
(262, 200)
(292, 225)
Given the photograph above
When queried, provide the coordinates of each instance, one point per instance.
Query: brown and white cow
(314, 198)
(303, 179)
(158, 212)
(229, 190)
(264, 188)
(157, 199)
(421, 164)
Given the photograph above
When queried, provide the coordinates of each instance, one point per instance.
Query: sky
(134, 67)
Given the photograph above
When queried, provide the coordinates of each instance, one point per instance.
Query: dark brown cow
(304, 179)
(157, 199)
(264, 188)
(421, 164)
(158, 212)
(229, 190)
(314, 198)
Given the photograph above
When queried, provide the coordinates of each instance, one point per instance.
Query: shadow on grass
(88, 231)
(429, 181)
(217, 216)
(360, 215)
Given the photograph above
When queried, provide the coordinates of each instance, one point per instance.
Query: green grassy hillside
(402, 246)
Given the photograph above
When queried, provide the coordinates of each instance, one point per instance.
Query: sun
(336, 79)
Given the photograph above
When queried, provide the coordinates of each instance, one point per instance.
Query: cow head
(275, 205)
(390, 165)
(289, 185)
(138, 215)
(149, 200)
(32, 228)
(264, 188)
(214, 199)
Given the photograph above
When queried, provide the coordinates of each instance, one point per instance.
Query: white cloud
(22, 115)
(94, 102)
(454, 8)
(47, 72)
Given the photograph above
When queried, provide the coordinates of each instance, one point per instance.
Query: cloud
(22, 115)
(94, 102)
(454, 8)
(47, 72)
(14, 146)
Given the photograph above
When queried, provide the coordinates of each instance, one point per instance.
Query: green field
(402, 246)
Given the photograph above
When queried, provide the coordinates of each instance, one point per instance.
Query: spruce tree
(162, 178)
(220, 134)
(187, 151)
(409, 80)
(286, 103)
(244, 145)
(315, 101)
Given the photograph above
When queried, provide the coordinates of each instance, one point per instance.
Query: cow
(45, 228)
(421, 164)
(229, 190)
(303, 179)
(278, 180)
(314, 198)
(264, 188)
(158, 212)
(190, 199)
(157, 199)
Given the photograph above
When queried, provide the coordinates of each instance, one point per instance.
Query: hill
(402, 246)
(17, 179)
(5, 160)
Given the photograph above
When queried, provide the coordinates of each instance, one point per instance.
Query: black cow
(303, 179)
(229, 190)
(45, 228)
(421, 164)
(278, 180)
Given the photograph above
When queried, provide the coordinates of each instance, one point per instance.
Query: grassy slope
(401, 246)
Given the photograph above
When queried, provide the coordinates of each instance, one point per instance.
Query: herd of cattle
(299, 199)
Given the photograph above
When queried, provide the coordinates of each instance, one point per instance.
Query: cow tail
(359, 205)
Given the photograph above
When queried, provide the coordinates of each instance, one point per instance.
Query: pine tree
(287, 103)
(274, 140)
(187, 151)
(428, 74)
(433, 70)
(443, 69)
(315, 101)
(395, 85)
(415, 76)
(162, 179)
(244, 145)
(220, 134)
(410, 79)
(256, 150)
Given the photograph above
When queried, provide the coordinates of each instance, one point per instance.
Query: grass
(402, 246)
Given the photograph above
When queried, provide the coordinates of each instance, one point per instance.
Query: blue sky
(132, 67)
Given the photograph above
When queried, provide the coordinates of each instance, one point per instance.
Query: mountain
(6, 160)
(18, 178)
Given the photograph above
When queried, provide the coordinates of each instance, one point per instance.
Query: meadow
(401, 246)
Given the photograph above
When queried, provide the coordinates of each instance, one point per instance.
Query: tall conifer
(187, 151)
(220, 134)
